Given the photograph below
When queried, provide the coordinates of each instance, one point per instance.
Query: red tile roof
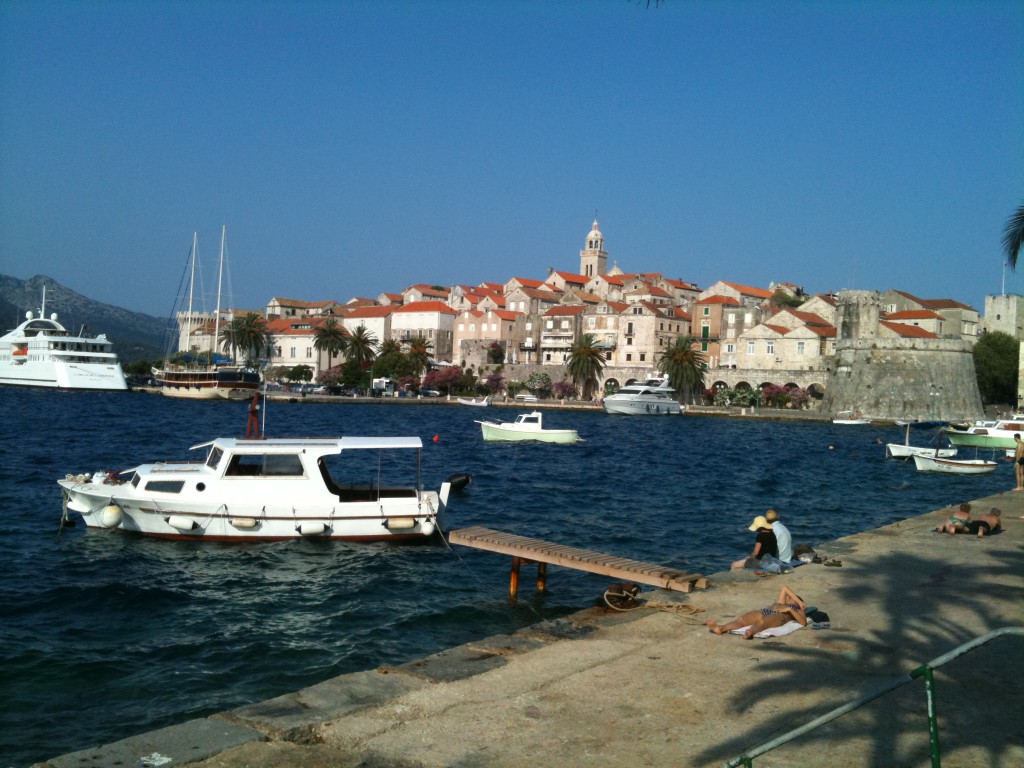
(908, 331)
(425, 306)
(718, 299)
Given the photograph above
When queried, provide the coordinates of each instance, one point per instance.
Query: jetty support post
(513, 580)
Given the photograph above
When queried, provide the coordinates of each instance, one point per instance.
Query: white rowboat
(954, 466)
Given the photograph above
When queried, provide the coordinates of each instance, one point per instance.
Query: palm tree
(390, 345)
(252, 331)
(586, 361)
(231, 336)
(419, 353)
(1013, 236)
(684, 364)
(362, 346)
(332, 338)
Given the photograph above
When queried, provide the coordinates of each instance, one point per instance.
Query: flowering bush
(539, 384)
(494, 382)
(565, 389)
(442, 379)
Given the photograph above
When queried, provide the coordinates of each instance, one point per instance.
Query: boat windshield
(369, 474)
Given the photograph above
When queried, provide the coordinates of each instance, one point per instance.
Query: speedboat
(41, 352)
(906, 450)
(527, 426)
(480, 402)
(954, 466)
(903, 451)
(653, 397)
(270, 489)
(850, 418)
(988, 434)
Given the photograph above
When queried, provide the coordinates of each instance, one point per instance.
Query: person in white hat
(764, 544)
(782, 535)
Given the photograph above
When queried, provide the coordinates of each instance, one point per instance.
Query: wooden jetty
(525, 550)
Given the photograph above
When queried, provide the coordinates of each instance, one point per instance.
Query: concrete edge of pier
(654, 687)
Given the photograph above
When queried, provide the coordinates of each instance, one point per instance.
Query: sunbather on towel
(788, 607)
(986, 524)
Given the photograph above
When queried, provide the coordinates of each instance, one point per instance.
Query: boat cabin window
(214, 458)
(264, 465)
(165, 486)
(370, 475)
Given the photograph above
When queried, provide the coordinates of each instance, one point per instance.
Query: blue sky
(357, 147)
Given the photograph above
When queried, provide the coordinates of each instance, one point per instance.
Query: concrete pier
(653, 687)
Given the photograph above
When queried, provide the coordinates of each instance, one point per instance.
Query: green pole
(933, 723)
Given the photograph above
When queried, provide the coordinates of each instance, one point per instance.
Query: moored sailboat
(195, 377)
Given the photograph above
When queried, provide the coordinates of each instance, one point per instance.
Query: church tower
(593, 258)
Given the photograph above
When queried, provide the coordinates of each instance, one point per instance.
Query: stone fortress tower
(594, 258)
(886, 376)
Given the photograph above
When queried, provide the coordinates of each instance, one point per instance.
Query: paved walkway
(654, 688)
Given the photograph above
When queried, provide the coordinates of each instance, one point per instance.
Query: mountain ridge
(135, 335)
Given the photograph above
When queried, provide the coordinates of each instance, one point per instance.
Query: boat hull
(210, 521)
(954, 467)
(60, 375)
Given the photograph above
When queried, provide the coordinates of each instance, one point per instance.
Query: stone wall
(904, 378)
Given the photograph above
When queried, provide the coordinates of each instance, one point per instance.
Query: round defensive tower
(886, 375)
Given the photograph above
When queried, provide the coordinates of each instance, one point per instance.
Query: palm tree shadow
(932, 607)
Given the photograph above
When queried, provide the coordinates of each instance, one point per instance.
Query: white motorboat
(901, 451)
(41, 352)
(954, 466)
(527, 426)
(270, 489)
(205, 379)
(481, 402)
(906, 450)
(653, 397)
(850, 418)
(996, 434)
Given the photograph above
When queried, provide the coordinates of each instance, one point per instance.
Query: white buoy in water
(110, 516)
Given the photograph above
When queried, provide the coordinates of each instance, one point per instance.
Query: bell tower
(593, 258)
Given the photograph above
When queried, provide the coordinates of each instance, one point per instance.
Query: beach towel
(785, 629)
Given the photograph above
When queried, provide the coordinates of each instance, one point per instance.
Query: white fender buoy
(182, 523)
(111, 516)
(311, 529)
(427, 527)
(244, 522)
(400, 523)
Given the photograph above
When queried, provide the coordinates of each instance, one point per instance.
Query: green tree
(362, 346)
(230, 339)
(332, 338)
(585, 363)
(419, 353)
(684, 365)
(1013, 236)
(389, 345)
(995, 364)
(253, 335)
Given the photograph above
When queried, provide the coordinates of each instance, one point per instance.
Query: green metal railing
(925, 671)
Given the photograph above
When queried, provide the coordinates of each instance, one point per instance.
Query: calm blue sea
(104, 635)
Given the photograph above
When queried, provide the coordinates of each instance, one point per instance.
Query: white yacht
(653, 397)
(43, 353)
(270, 489)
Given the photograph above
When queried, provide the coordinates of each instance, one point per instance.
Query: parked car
(526, 397)
(430, 393)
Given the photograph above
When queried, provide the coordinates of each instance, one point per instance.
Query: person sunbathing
(786, 608)
(986, 524)
(957, 522)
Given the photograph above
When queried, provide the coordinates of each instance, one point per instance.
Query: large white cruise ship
(42, 353)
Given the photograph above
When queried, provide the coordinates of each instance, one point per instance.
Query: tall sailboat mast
(191, 286)
(220, 277)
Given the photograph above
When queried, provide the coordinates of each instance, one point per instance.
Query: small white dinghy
(954, 466)
(482, 402)
(902, 451)
(527, 426)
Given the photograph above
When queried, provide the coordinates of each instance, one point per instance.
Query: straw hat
(759, 522)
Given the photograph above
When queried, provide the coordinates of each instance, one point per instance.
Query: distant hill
(135, 336)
